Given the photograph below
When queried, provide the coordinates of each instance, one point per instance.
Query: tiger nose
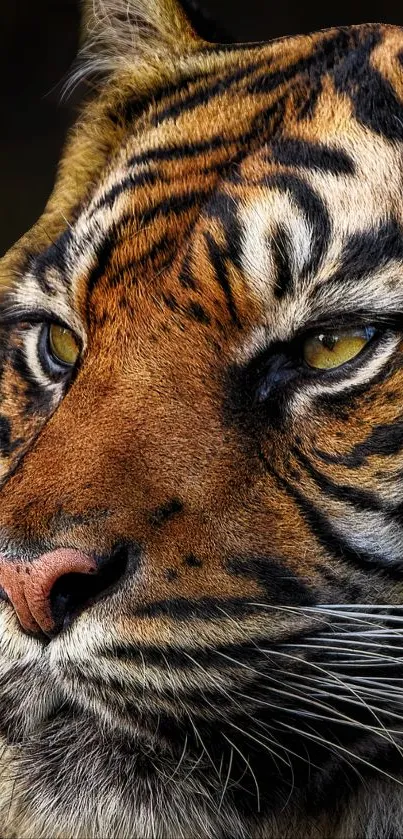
(48, 591)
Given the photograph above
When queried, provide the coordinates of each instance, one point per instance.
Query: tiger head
(201, 440)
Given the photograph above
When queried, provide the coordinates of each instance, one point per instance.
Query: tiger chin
(201, 445)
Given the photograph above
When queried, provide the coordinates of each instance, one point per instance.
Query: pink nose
(28, 584)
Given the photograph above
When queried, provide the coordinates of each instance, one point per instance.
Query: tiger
(201, 445)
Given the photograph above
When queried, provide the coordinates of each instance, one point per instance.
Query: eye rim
(279, 369)
(374, 338)
(53, 367)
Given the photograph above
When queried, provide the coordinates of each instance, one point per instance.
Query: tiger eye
(63, 345)
(327, 350)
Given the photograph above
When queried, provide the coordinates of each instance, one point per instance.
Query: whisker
(272, 680)
(318, 613)
(247, 765)
(338, 747)
(333, 645)
(339, 717)
(181, 759)
(224, 789)
(337, 680)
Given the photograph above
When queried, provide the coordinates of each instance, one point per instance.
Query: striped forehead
(323, 232)
(309, 193)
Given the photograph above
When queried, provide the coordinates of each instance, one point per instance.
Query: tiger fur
(235, 672)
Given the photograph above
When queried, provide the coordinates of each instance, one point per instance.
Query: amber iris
(63, 345)
(327, 350)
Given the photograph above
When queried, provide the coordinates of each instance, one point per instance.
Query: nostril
(48, 591)
(73, 592)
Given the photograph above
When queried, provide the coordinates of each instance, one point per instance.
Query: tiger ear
(122, 32)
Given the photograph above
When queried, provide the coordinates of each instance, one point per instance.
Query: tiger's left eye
(328, 350)
(63, 345)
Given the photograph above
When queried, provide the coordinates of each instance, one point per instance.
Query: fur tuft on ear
(120, 33)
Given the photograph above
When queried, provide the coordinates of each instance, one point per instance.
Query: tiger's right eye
(328, 350)
(63, 345)
(59, 350)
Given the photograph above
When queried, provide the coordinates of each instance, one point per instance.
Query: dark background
(38, 44)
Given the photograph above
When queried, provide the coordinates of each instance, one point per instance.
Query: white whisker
(247, 765)
(338, 747)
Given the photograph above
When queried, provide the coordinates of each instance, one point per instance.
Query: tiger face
(201, 439)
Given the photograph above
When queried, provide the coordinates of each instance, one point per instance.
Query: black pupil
(328, 341)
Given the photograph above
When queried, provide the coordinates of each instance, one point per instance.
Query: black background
(39, 41)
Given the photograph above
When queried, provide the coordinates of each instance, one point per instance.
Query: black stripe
(164, 512)
(263, 125)
(288, 151)
(306, 101)
(176, 204)
(207, 608)
(38, 399)
(217, 258)
(335, 545)
(182, 151)
(207, 89)
(133, 181)
(383, 439)
(232, 703)
(323, 57)
(103, 258)
(5, 436)
(11, 314)
(186, 276)
(133, 107)
(368, 251)
(282, 587)
(200, 701)
(177, 658)
(54, 255)
(193, 561)
(223, 208)
(197, 313)
(281, 247)
(342, 403)
(263, 128)
(166, 246)
(361, 498)
(313, 209)
(149, 176)
(266, 121)
(374, 100)
(170, 301)
(346, 57)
